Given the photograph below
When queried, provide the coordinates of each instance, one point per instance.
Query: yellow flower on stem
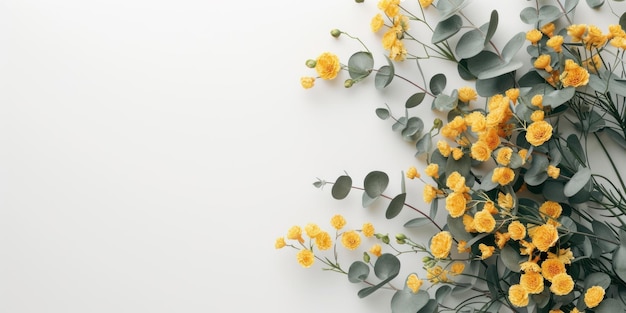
(377, 22)
(467, 94)
(593, 296)
(551, 268)
(350, 240)
(556, 43)
(280, 243)
(440, 244)
(295, 233)
(432, 170)
(518, 295)
(338, 221)
(323, 241)
(429, 193)
(312, 230)
(503, 175)
(538, 132)
(574, 75)
(486, 251)
(532, 282)
(462, 247)
(307, 82)
(517, 230)
(305, 257)
(505, 200)
(544, 236)
(425, 3)
(456, 204)
(390, 7)
(553, 171)
(368, 230)
(548, 29)
(562, 284)
(457, 268)
(444, 148)
(503, 157)
(468, 223)
(530, 266)
(534, 35)
(484, 221)
(543, 62)
(577, 31)
(412, 173)
(480, 151)
(537, 115)
(327, 66)
(551, 208)
(436, 274)
(414, 283)
(376, 250)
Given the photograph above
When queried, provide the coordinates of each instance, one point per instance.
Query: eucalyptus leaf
(594, 4)
(395, 206)
(447, 28)
(438, 83)
(400, 124)
(341, 187)
(493, 280)
(417, 222)
(570, 5)
(548, 13)
(457, 228)
(529, 15)
(597, 279)
(434, 207)
(442, 293)
(495, 85)
(450, 7)
(511, 258)
(536, 174)
(463, 166)
(405, 301)
(557, 97)
(386, 268)
(367, 200)
(573, 144)
(487, 183)
(470, 44)
(431, 307)
(553, 191)
(512, 46)
(619, 266)
(360, 65)
(413, 129)
(604, 232)
(491, 29)
(414, 100)
(383, 77)
(382, 113)
(609, 305)
(622, 20)
(358, 272)
(444, 102)
(577, 182)
(616, 137)
(424, 144)
(500, 70)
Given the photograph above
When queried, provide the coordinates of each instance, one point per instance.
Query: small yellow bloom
(594, 37)
(477, 121)
(280, 243)
(486, 251)
(457, 268)
(551, 208)
(512, 94)
(490, 137)
(504, 155)
(533, 35)
(412, 173)
(538, 132)
(376, 250)
(505, 200)
(517, 230)
(444, 148)
(618, 42)
(532, 282)
(398, 52)
(537, 115)
(389, 39)
(484, 221)
(429, 193)
(323, 241)
(307, 82)
(544, 236)
(467, 94)
(454, 128)
(414, 283)
(553, 171)
(432, 170)
(456, 182)
(327, 66)
(526, 247)
(490, 207)
(574, 75)
(593, 63)
(556, 43)
(555, 311)
(436, 274)
(502, 239)
(338, 221)
(440, 244)
(462, 247)
(368, 230)
(503, 175)
(537, 100)
(425, 3)
(593, 296)
(562, 284)
(312, 230)
(615, 30)
(548, 29)
(480, 151)
(305, 257)
(577, 31)
(457, 153)
(295, 233)
(350, 240)
(530, 266)
(523, 153)
(468, 222)
(565, 255)
(456, 204)
(390, 7)
(551, 268)
(518, 296)
(574, 310)
(543, 62)
(377, 23)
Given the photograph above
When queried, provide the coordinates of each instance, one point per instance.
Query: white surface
(152, 151)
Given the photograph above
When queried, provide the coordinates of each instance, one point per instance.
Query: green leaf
(438, 83)
(367, 200)
(341, 187)
(493, 25)
(493, 281)
(512, 46)
(383, 77)
(447, 28)
(622, 20)
(542, 299)
(386, 268)
(604, 232)
(395, 206)
(434, 206)
(511, 258)
(450, 7)
(417, 222)
(457, 228)
(577, 182)
(358, 272)
(463, 166)
(597, 279)
(529, 15)
(553, 191)
(360, 65)
(500, 70)
(609, 305)
(548, 13)
(413, 129)
(431, 307)
(405, 301)
(570, 5)
(445, 103)
(557, 97)
(382, 113)
(464, 72)
(424, 145)
(375, 183)
(488, 184)
(617, 137)
(594, 4)
(415, 100)
(399, 124)
(491, 86)
(573, 143)
(536, 174)
(470, 44)
(442, 293)
(619, 266)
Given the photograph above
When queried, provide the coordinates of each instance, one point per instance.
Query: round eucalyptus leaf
(450, 7)
(542, 299)
(512, 46)
(604, 232)
(493, 280)
(595, 3)
(622, 20)
(375, 183)
(358, 272)
(382, 113)
(463, 70)
(609, 305)
(457, 228)
(470, 44)
(570, 5)
(577, 182)
(399, 124)
(434, 206)
(387, 266)
(367, 200)
(405, 301)
(619, 266)
(424, 145)
(414, 100)
(500, 70)
(360, 64)
(553, 191)
(341, 187)
(395, 206)
(557, 97)
(447, 28)
(531, 78)
(442, 293)
(615, 136)
(483, 61)
(438, 83)
(444, 103)
(597, 279)
(413, 129)
(383, 77)
(487, 183)
(529, 15)
(431, 307)
(491, 86)
(511, 258)
(550, 13)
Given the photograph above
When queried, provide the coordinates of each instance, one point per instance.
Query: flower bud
(366, 257)
(401, 238)
(335, 33)
(359, 1)
(310, 63)
(385, 239)
(348, 83)
(437, 123)
(426, 259)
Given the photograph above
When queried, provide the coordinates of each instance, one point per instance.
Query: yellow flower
(480, 151)
(503, 175)
(538, 132)
(425, 3)
(565, 255)
(377, 22)
(305, 257)
(551, 268)
(553, 171)
(468, 222)
(555, 43)
(615, 30)
(502, 239)
(551, 208)
(618, 42)
(505, 200)
(338, 221)
(323, 241)
(484, 221)
(477, 121)
(432, 170)
(490, 137)
(544, 236)
(530, 266)
(429, 193)
(486, 251)
(440, 244)
(490, 207)
(389, 39)
(594, 37)
(436, 274)
(577, 31)
(512, 94)
(517, 230)
(456, 182)
(350, 240)
(574, 75)
(307, 82)
(280, 243)
(444, 148)
(457, 153)
(523, 153)
(593, 296)
(390, 7)
(376, 250)
(457, 268)
(518, 296)
(537, 115)
(532, 282)
(327, 65)
(398, 51)
(548, 29)
(593, 63)
(543, 62)
(454, 128)
(562, 284)
(467, 94)
(533, 35)
(456, 204)
(503, 156)
(412, 173)
(368, 230)
(526, 247)
(312, 230)
(295, 233)
(537, 100)
(414, 283)
(462, 247)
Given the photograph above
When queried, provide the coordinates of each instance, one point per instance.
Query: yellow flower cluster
(392, 38)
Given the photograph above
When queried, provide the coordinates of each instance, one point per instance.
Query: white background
(152, 151)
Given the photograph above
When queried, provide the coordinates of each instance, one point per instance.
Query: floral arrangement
(528, 225)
